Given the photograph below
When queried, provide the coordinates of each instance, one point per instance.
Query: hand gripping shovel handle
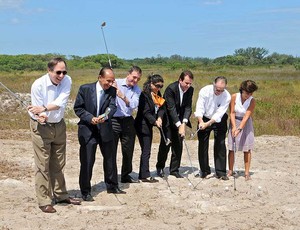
(194, 134)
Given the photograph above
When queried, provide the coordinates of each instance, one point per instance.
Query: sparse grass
(277, 111)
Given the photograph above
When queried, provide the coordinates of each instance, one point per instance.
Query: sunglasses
(159, 86)
(61, 72)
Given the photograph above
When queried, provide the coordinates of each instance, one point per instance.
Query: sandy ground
(270, 200)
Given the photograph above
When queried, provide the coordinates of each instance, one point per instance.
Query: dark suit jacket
(146, 117)
(175, 111)
(85, 108)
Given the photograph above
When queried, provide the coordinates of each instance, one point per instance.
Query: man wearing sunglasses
(127, 101)
(211, 108)
(49, 97)
(178, 96)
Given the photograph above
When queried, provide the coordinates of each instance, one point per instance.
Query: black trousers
(146, 143)
(220, 130)
(123, 129)
(176, 148)
(87, 159)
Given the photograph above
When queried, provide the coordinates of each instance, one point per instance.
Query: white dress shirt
(178, 123)
(44, 92)
(211, 105)
(100, 91)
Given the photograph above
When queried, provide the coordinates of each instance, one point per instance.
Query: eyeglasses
(61, 72)
(219, 90)
(159, 86)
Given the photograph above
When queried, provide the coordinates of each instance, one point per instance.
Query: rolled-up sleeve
(65, 90)
(134, 100)
(200, 104)
(222, 109)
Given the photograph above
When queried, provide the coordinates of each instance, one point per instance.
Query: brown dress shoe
(48, 209)
(70, 201)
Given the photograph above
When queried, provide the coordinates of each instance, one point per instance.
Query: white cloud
(281, 10)
(10, 4)
(213, 2)
(19, 7)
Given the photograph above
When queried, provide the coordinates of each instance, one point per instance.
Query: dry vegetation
(277, 111)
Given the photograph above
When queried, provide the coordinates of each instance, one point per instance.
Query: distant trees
(282, 59)
(256, 56)
(251, 53)
(24, 62)
(29, 62)
(240, 57)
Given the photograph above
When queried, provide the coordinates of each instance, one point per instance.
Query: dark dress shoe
(88, 197)
(69, 201)
(116, 191)
(48, 209)
(223, 177)
(204, 175)
(129, 179)
(160, 173)
(176, 174)
(149, 180)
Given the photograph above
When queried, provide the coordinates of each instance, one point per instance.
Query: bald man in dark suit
(95, 129)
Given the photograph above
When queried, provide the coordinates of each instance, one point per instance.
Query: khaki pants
(49, 144)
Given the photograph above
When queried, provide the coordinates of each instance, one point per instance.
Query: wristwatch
(239, 129)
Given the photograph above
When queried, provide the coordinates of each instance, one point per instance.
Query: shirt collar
(98, 87)
(49, 82)
(180, 90)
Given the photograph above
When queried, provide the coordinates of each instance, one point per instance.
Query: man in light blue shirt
(127, 100)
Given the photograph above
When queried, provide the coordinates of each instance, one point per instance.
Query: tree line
(251, 56)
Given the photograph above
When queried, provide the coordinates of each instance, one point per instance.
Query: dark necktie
(101, 100)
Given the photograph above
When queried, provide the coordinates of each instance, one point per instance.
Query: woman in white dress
(241, 131)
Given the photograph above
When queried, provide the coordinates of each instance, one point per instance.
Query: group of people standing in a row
(105, 109)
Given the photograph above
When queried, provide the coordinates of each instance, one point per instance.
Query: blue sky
(140, 28)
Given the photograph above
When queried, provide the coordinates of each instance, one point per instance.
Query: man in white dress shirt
(49, 97)
(211, 108)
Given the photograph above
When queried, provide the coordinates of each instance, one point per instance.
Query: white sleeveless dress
(245, 139)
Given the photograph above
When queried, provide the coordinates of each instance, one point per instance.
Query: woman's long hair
(154, 78)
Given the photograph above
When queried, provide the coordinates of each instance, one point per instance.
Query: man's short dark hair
(54, 61)
(186, 73)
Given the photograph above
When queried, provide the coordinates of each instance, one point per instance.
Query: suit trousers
(49, 144)
(146, 143)
(87, 159)
(176, 149)
(123, 128)
(220, 130)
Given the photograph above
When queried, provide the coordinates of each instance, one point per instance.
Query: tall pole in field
(102, 25)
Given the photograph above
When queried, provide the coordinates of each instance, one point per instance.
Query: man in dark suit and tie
(178, 96)
(95, 128)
